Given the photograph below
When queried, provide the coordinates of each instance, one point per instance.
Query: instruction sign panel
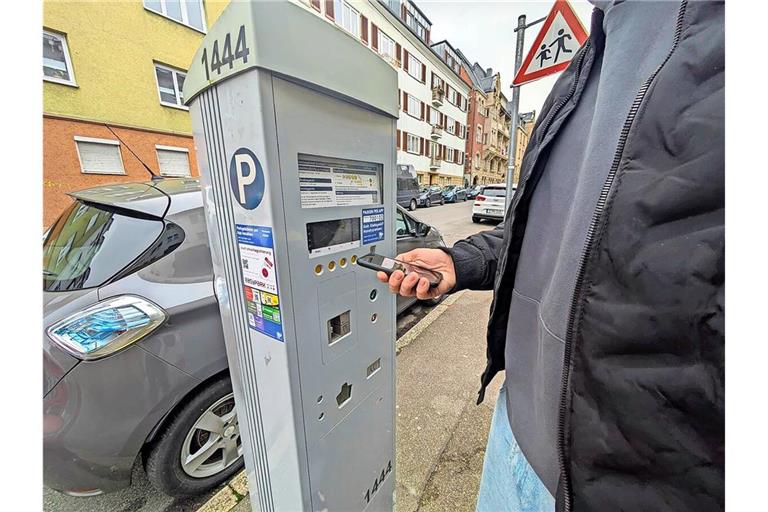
(555, 45)
(257, 259)
(329, 182)
(373, 225)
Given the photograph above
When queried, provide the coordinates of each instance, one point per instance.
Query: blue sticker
(246, 178)
(257, 260)
(373, 225)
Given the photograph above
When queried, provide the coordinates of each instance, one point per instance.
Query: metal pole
(515, 106)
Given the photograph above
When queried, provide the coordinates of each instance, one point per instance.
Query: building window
(449, 154)
(479, 137)
(434, 116)
(173, 161)
(452, 95)
(99, 156)
(414, 67)
(450, 125)
(348, 17)
(57, 67)
(169, 86)
(412, 143)
(413, 107)
(186, 12)
(386, 45)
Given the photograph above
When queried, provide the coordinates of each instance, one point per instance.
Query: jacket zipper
(587, 249)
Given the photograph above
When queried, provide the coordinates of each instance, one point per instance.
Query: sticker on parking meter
(373, 225)
(257, 258)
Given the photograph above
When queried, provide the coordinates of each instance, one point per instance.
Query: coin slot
(344, 395)
(338, 327)
(373, 368)
(373, 295)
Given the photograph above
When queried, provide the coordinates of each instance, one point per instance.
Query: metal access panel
(297, 163)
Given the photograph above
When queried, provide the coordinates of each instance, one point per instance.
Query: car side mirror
(423, 229)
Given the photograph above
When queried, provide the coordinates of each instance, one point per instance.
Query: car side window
(401, 224)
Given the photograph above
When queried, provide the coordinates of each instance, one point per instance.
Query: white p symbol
(243, 180)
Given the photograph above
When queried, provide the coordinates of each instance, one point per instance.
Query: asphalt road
(454, 221)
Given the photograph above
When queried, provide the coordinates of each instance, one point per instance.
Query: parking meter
(294, 124)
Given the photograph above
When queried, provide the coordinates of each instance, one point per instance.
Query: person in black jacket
(608, 277)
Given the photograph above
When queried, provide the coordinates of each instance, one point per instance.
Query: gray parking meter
(294, 126)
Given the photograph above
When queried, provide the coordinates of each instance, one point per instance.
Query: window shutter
(456, 129)
(422, 110)
(421, 149)
(405, 101)
(428, 115)
(424, 73)
(364, 29)
(316, 4)
(374, 36)
(99, 157)
(397, 53)
(173, 163)
(405, 59)
(329, 8)
(399, 100)
(444, 151)
(398, 139)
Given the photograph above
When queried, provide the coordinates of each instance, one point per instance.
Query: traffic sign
(555, 45)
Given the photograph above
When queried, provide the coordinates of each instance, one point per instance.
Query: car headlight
(107, 327)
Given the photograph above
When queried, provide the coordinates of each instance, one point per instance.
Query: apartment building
(525, 124)
(488, 121)
(113, 74)
(431, 130)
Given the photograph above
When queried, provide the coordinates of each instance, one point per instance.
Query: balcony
(437, 132)
(438, 94)
(492, 151)
(434, 163)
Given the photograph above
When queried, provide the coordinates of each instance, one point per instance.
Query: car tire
(412, 205)
(428, 203)
(163, 464)
(476, 220)
(442, 201)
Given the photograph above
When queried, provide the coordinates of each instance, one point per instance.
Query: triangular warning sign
(555, 45)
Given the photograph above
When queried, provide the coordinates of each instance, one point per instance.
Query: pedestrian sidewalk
(441, 433)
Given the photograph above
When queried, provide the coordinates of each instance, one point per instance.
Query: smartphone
(389, 265)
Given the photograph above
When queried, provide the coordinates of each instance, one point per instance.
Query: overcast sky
(484, 31)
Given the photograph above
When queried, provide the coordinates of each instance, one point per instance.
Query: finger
(394, 281)
(407, 256)
(422, 290)
(407, 288)
(382, 276)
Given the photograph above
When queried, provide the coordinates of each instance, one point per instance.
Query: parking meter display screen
(330, 236)
(328, 182)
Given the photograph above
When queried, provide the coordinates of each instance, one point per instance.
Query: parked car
(134, 363)
(407, 187)
(431, 195)
(490, 203)
(454, 193)
(473, 191)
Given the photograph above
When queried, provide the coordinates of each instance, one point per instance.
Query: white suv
(490, 203)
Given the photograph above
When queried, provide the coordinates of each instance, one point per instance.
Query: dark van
(407, 186)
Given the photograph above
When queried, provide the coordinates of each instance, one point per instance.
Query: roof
(155, 198)
(469, 69)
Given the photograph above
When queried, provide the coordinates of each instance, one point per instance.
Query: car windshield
(494, 192)
(448, 188)
(88, 244)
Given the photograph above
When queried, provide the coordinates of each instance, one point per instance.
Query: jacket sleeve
(476, 259)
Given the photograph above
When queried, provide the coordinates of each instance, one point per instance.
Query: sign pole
(515, 106)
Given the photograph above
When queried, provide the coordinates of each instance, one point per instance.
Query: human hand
(415, 285)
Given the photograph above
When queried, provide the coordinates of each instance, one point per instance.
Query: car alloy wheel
(428, 203)
(412, 206)
(213, 443)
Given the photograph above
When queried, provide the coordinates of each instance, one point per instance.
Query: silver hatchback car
(133, 349)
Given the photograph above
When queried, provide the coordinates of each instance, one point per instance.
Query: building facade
(525, 124)
(433, 98)
(488, 125)
(113, 74)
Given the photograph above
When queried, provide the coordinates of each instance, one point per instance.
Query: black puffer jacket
(641, 423)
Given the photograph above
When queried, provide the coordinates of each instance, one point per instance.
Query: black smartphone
(389, 265)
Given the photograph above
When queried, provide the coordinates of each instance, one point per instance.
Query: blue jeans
(509, 482)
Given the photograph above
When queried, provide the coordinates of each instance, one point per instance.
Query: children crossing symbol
(555, 45)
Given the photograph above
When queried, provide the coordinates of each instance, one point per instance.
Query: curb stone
(237, 488)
